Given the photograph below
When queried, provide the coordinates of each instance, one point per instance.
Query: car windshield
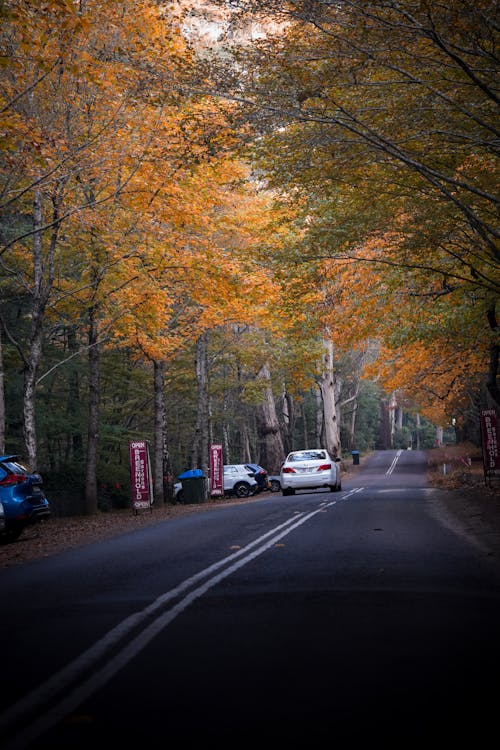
(307, 456)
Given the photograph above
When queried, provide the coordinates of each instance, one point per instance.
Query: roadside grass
(459, 466)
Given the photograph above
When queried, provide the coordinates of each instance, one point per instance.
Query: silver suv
(238, 480)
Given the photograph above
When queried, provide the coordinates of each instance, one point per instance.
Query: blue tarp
(191, 473)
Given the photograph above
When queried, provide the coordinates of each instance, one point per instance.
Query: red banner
(216, 470)
(489, 433)
(140, 474)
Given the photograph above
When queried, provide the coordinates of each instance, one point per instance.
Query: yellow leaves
(435, 373)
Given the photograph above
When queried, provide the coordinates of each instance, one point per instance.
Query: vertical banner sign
(140, 474)
(489, 434)
(216, 470)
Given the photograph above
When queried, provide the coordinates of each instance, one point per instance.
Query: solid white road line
(394, 462)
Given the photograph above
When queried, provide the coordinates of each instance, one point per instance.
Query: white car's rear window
(306, 456)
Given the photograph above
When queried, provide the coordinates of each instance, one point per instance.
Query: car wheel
(179, 498)
(242, 489)
(275, 485)
(11, 533)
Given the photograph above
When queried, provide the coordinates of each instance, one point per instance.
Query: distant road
(313, 619)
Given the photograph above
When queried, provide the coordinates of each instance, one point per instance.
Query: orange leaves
(435, 374)
(153, 226)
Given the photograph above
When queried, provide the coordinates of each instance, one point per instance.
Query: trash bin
(194, 487)
(355, 457)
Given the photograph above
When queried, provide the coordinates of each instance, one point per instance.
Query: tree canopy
(379, 128)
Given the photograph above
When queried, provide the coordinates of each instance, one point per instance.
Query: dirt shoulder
(465, 504)
(464, 500)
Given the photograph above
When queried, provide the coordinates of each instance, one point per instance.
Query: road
(343, 618)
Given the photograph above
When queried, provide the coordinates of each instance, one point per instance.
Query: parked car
(239, 481)
(274, 483)
(2, 518)
(310, 469)
(260, 476)
(22, 497)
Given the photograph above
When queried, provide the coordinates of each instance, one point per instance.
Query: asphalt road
(338, 618)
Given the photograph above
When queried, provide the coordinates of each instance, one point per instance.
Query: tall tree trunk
(352, 425)
(93, 421)
(328, 388)
(392, 417)
(39, 300)
(399, 423)
(492, 379)
(288, 412)
(226, 443)
(199, 453)
(2, 398)
(269, 428)
(163, 480)
(305, 430)
(73, 401)
(320, 417)
(246, 451)
(29, 390)
(43, 277)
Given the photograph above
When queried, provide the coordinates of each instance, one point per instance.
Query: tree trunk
(73, 401)
(199, 453)
(320, 418)
(439, 435)
(352, 425)
(492, 379)
(305, 431)
(288, 411)
(246, 451)
(399, 423)
(2, 399)
(93, 425)
(43, 277)
(163, 479)
(39, 301)
(269, 428)
(392, 417)
(328, 388)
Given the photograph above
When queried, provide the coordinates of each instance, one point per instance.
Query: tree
(385, 116)
(273, 453)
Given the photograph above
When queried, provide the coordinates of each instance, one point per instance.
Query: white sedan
(308, 470)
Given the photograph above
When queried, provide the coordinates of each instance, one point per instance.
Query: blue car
(260, 476)
(22, 497)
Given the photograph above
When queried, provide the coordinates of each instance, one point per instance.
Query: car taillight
(324, 467)
(11, 479)
(289, 470)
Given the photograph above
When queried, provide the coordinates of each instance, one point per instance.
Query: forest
(266, 224)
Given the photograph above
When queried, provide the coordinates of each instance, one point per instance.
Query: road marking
(394, 462)
(69, 681)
